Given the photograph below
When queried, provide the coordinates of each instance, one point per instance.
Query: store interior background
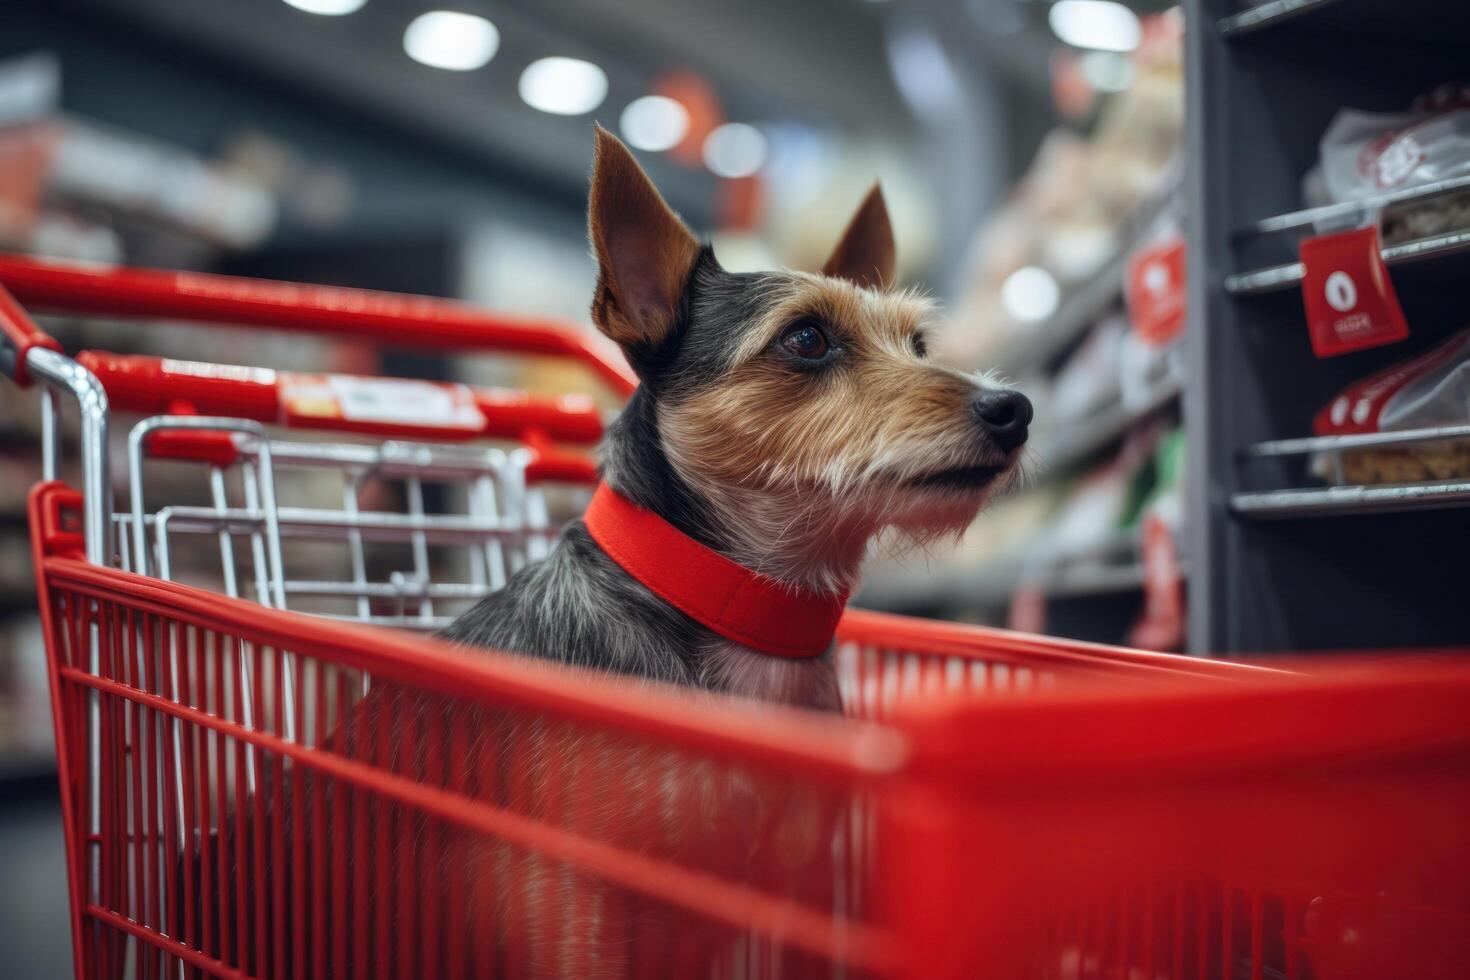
(298, 139)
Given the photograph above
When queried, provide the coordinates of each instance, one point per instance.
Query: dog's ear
(644, 252)
(866, 254)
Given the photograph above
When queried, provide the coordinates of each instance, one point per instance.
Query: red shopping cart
(264, 773)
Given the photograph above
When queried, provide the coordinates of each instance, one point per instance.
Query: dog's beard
(815, 529)
(932, 516)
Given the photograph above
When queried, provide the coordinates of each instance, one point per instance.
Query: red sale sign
(1155, 290)
(1350, 301)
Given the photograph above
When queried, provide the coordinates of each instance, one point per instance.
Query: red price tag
(1161, 627)
(1028, 609)
(1156, 291)
(1350, 301)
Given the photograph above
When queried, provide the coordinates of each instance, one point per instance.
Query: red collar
(725, 596)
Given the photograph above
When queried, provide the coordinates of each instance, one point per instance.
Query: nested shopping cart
(269, 770)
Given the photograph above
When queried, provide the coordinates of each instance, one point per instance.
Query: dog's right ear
(644, 252)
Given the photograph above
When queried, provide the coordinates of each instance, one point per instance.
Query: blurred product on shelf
(1093, 542)
(69, 167)
(1431, 391)
(1163, 623)
(25, 698)
(1108, 499)
(1075, 212)
(80, 189)
(1077, 297)
(1091, 378)
(1128, 367)
(1365, 155)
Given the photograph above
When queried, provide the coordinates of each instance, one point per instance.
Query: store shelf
(1082, 308)
(1332, 214)
(1075, 582)
(1342, 498)
(900, 587)
(1334, 501)
(1090, 301)
(1403, 20)
(1367, 440)
(1264, 87)
(1087, 437)
(1106, 567)
(1103, 567)
(1270, 14)
(1278, 277)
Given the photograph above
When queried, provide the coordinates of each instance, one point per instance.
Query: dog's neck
(812, 552)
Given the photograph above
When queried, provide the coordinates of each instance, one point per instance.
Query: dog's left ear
(644, 252)
(866, 253)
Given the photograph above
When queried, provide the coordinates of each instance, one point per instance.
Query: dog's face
(796, 398)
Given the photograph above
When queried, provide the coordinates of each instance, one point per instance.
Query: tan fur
(815, 465)
(644, 252)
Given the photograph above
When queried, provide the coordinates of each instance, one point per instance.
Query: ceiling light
(564, 86)
(734, 150)
(450, 40)
(328, 8)
(654, 123)
(1030, 294)
(1100, 24)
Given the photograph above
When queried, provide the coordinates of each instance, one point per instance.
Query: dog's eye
(918, 345)
(805, 340)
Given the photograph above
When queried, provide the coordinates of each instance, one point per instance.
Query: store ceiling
(821, 62)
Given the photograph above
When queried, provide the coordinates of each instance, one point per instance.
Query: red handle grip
(361, 314)
(18, 334)
(384, 407)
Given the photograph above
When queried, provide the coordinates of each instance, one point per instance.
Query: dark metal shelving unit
(1336, 567)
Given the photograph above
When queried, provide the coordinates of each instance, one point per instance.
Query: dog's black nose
(1005, 415)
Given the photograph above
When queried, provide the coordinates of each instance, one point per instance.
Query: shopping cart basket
(253, 784)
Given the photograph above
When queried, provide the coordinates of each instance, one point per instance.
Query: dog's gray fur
(579, 607)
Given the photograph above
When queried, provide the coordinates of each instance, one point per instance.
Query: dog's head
(794, 403)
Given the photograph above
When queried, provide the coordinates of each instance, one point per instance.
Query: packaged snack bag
(1363, 154)
(1428, 391)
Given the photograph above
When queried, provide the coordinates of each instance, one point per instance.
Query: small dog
(783, 420)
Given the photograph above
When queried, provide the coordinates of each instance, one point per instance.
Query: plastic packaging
(1431, 390)
(1364, 154)
(1368, 153)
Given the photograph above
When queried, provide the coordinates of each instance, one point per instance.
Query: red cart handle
(18, 334)
(389, 318)
(384, 407)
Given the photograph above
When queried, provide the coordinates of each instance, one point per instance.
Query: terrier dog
(782, 421)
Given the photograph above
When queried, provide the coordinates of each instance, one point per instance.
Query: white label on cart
(221, 372)
(386, 401)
